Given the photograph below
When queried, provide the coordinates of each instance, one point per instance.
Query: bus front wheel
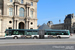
(35, 37)
(58, 37)
(15, 37)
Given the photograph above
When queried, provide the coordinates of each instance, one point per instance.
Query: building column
(16, 24)
(13, 21)
(0, 25)
(26, 22)
(26, 25)
(28, 11)
(15, 10)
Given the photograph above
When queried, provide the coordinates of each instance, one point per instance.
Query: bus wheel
(58, 37)
(35, 37)
(15, 37)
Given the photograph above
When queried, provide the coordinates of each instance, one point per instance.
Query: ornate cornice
(28, 4)
(35, 0)
(32, 9)
(17, 3)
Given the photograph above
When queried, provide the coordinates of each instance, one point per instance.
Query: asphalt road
(35, 41)
(39, 47)
(37, 44)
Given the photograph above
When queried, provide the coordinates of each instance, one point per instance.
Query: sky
(54, 10)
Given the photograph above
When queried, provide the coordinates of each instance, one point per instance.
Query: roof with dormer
(69, 16)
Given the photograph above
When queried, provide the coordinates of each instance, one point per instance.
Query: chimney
(65, 15)
(73, 15)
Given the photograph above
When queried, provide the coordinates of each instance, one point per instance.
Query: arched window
(22, 1)
(10, 0)
(10, 11)
(21, 12)
(31, 28)
(31, 13)
(31, 3)
(10, 28)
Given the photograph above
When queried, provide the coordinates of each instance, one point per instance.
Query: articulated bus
(57, 33)
(21, 33)
(36, 34)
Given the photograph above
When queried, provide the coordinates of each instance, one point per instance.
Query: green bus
(36, 34)
(56, 33)
(21, 33)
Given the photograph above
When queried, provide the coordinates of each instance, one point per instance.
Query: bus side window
(24, 32)
(57, 33)
(46, 33)
(49, 33)
(65, 33)
(7, 33)
(34, 33)
(62, 33)
(15, 32)
(21, 32)
(10, 32)
(54, 33)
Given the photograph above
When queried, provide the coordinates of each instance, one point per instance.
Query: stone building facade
(18, 14)
(69, 24)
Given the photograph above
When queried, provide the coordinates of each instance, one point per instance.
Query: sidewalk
(73, 36)
(2, 37)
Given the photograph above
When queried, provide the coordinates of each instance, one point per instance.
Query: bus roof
(21, 29)
(38, 29)
(55, 30)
